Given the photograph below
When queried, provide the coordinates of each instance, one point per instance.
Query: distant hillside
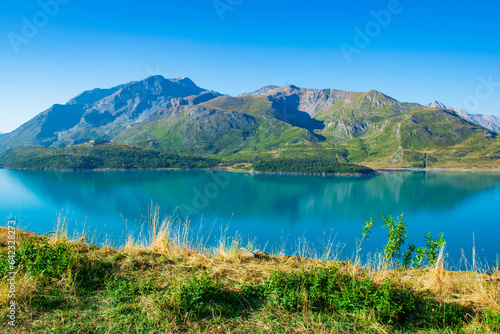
(488, 121)
(103, 156)
(176, 116)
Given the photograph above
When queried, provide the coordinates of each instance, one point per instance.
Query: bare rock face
(215, 123)
(263, 91)
(436, 104)
(489, 122)
(307, 100)
(353, 129)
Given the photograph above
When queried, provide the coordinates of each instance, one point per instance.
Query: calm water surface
(273, 211)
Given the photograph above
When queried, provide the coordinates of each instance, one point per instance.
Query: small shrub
(433, 247)
(395, 238)
(50, 261)
(42, 259)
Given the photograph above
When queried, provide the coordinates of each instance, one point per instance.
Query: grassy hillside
(419, 138)
(223, 126)
(170, 285)
(18, 153)
(364, 128)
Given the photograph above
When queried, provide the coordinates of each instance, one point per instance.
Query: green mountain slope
(422, 138)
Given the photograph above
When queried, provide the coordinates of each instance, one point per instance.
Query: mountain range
(177, 116)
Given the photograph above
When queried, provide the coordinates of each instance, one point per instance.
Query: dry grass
(20, 235)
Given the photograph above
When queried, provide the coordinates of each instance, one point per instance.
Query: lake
(275, 212)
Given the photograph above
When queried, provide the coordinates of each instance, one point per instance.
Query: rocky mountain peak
(436, 104)
(263, 91)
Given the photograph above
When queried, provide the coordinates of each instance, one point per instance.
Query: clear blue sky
(425, 50)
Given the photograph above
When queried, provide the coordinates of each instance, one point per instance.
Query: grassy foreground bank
(166, 286)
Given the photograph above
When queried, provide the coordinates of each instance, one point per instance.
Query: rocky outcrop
(311, 101)
(487, 121)
(263, 91)
(353, 129)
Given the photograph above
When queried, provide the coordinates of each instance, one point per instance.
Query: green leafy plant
(395, 239)
(366, 229)
(433, 247)
(43, 259)
(407, 256)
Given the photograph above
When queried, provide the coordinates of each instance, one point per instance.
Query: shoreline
(210, 170)
(435, 169)
(378, 170)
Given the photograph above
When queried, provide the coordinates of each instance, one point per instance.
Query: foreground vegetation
(170, 285)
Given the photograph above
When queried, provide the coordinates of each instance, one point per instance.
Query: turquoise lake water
(275, 212)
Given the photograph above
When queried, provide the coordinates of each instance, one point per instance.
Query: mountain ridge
(102, 113)
(177, 116)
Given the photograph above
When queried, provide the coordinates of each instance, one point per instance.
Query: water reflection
(128, 193)
(260, 205)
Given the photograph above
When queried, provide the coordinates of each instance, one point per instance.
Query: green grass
(330, 290)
